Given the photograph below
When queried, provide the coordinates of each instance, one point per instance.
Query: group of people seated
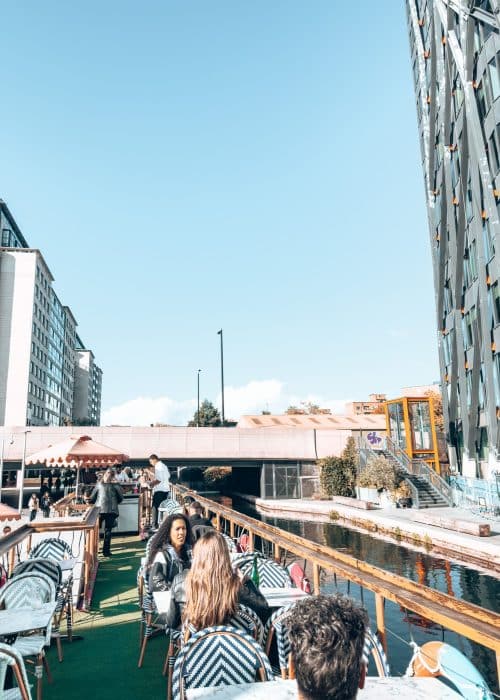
(326, 632)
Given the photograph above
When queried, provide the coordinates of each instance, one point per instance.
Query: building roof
(320, 421)
(5, 209)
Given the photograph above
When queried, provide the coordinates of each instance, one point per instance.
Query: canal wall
(397, 524)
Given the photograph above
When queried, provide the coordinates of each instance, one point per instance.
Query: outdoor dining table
(17, 620)
(391, 687)
(67, 564)
(278, 597)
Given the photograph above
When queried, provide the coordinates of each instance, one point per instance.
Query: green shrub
(379, 473)
(337, 476)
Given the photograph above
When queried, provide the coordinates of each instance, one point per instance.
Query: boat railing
(84, 528)
(471, 621)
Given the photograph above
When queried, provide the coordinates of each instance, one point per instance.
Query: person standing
(46, 502)
(33, 506)
(107, 495)
(160, 484)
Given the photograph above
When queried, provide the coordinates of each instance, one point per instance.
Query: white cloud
(146, 410)
(252, 398)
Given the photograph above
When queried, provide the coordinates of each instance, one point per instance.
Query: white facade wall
(17, 276)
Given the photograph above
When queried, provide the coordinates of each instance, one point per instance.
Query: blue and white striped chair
(373, 648)
(231, 544)
(168, 507)
(11, 657)
(57, 550)
(277, 631)
(271, 574)
(53, 571)
(215, 656)
(26, 591)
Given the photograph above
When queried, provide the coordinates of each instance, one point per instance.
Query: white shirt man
(161, 485)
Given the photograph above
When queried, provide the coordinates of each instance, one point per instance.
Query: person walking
(33, 506)
(160, 484)
(46, 502)
(107, 495)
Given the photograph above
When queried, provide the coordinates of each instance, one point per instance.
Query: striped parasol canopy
(78, 451)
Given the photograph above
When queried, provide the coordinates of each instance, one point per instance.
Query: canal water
(441, 574)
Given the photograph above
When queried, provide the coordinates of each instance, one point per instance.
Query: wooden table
(17, 620)
(278, 597)
(380, 688)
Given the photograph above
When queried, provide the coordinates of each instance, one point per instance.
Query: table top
(16, 620)
(392, 687)
(277, 597)
(67, 564)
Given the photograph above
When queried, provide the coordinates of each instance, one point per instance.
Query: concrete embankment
(398, 525)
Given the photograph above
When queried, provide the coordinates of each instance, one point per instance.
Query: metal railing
(471, 621)
(420, 468)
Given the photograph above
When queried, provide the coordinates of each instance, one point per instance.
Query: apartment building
(87, 388)
(455, 56)
(38, 341)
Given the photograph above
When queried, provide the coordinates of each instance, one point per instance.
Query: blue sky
(190, 166)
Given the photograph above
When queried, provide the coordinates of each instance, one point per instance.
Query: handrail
(414, 493)
(418, 467)
(471, 621)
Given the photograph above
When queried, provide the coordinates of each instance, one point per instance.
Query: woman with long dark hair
(208, 594)
(170, 551)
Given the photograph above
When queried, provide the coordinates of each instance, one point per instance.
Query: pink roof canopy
(78, 451)
(8, 513)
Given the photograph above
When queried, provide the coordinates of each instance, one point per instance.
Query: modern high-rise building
(38, 341)
(88, 387)
(455, 55)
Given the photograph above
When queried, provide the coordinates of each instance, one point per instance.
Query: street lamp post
(23, 466)
(198, 413)
(222, 371)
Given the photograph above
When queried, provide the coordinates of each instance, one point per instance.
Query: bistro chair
(230, 542)
(215, 656)
(26, 591)
(276, 631)
(373, 648)
(168, 507)
(149, 624)
(11, 657)
(271, 574)
(58, 550)
(63, 593)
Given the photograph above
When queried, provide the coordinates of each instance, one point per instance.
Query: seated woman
(170, 552)
(208, 594)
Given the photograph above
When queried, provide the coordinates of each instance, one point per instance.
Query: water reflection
(435, 572)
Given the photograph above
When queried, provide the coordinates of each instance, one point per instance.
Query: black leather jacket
(166, 565)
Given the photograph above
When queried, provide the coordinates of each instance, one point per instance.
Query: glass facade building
(455, 57)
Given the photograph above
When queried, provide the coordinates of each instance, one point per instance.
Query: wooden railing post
(217, 522)
(380, 612)
(316, 579)
(277, 552)
(250, 541)
(231, 528)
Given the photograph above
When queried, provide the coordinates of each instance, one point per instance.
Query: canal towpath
(398, 524)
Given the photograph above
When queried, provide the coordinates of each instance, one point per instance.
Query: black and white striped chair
(231, 544)
(276, 631)
(53, 571)
(51, 548)
(29, 590)
(168, 507)
(373, 648)
(11, 657)
(271, 574)
(58, 550)
(217, 656)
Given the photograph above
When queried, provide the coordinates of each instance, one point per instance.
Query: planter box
(367, 494)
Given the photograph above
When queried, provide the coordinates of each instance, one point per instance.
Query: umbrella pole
(77, 481)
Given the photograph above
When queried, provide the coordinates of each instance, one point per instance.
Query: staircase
(428, 495)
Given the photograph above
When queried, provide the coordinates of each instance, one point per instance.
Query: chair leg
(59, 648)
(147, 634)
(47, 669)
(20, 682)
(170, 652)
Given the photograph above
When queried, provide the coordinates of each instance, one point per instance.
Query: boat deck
(104, 664)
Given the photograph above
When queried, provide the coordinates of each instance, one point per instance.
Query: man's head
(153, 459)
(195, 508)
(327, 635)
